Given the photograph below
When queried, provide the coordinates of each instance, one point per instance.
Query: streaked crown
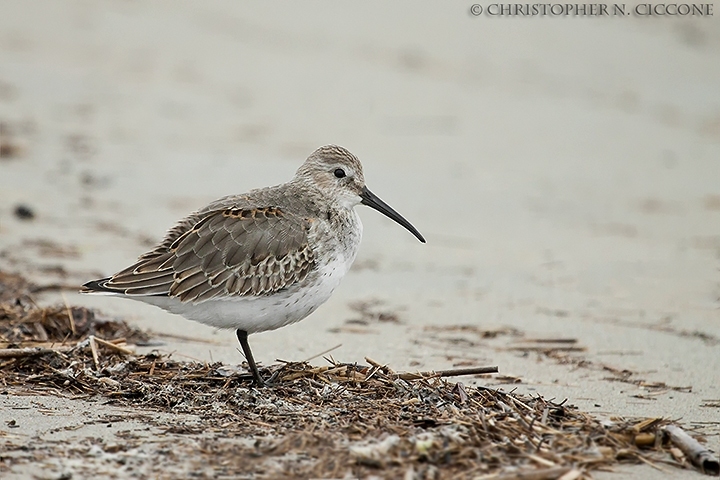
(336, 172)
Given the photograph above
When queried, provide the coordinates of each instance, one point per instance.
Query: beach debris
(372, 311)
(24, 212)
(328, 421)
(10, 146)
(699, 455)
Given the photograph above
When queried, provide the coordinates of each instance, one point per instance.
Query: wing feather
(222, 252)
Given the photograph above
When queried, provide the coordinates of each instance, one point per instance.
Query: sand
(564, 172)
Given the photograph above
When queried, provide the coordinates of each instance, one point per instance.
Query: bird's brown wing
(226, 252)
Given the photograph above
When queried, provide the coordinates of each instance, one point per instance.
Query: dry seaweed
(346, 418)
(23, 322)
(328, 421)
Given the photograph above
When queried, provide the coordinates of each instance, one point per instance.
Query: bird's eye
(339, 173)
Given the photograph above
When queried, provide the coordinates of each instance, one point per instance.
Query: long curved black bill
(373, 201)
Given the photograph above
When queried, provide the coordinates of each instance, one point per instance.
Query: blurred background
(565, 172)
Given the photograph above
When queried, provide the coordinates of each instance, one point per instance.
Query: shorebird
(261, 260)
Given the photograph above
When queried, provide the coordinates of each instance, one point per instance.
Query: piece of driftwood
(700, 456)
(550, 340)
(544, 348)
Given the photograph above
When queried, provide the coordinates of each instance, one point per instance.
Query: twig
(455, 372)
(653, 465)
(646, 424)
(700, 456)
(542, 461)
(543, 419)
(30, 352)
(373, 371)
(378, 365)
(71, 318)
(112, 346)
(93, 349)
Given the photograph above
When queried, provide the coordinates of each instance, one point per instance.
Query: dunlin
(260, 260)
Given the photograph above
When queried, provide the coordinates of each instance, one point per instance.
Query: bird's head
(338, 174)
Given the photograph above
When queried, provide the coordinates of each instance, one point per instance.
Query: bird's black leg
(242, 336)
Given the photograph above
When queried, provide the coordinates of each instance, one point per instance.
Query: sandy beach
(565, 172)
